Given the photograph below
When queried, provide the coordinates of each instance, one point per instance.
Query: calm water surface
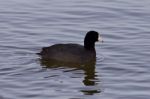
(122, 69)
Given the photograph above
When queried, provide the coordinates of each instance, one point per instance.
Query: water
(122, 67)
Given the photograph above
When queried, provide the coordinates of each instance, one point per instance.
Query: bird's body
(68, 53)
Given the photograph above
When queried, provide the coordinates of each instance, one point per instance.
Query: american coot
(73, 53)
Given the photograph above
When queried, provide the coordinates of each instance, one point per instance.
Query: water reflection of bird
(88, 69)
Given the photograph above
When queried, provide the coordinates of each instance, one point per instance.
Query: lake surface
(122, 68)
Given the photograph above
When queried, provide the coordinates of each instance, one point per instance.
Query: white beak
(100, 39)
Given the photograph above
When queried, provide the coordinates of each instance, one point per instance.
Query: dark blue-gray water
(122, 69)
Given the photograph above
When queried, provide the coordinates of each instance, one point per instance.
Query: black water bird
(73, 53)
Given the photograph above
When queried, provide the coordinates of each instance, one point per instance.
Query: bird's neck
(89, 45)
